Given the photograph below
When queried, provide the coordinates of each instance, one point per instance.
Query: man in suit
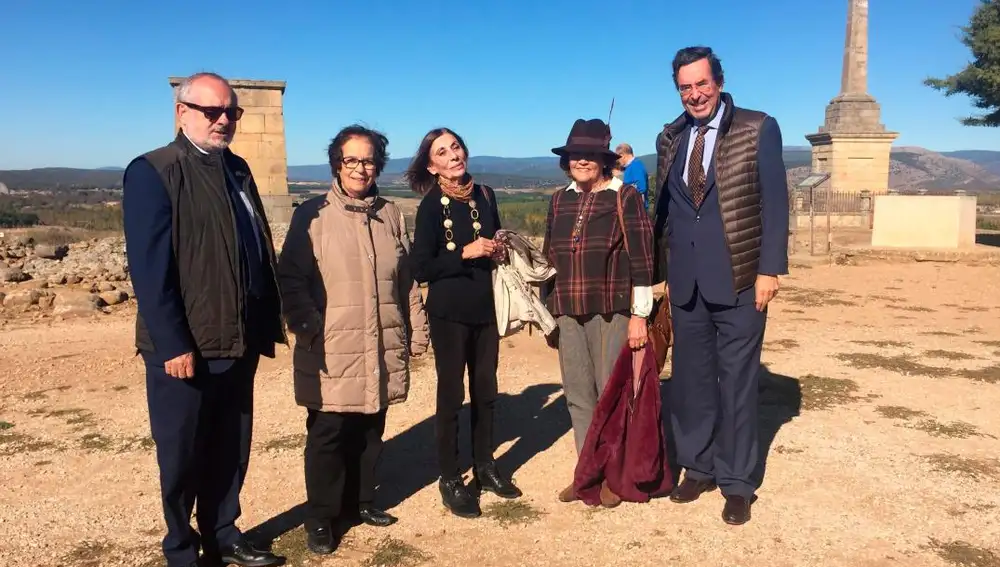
(202, 265)
(721, 243)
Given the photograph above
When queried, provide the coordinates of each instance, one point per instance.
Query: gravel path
(881, 391)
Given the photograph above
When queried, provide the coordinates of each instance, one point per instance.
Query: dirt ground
(878, 412)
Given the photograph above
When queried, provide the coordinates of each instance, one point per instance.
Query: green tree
(980, 80)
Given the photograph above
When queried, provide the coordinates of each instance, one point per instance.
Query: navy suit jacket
(699, 258)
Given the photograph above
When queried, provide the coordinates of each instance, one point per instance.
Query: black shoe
(243, 553)
(320, 540)
(487, 477)
(375, 517)
(456, 498)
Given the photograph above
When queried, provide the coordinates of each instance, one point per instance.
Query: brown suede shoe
(608, 498)
(568, 494)
(689, 490)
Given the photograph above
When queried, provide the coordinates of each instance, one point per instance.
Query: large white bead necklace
(448, 223)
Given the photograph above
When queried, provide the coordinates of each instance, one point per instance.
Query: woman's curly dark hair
(335, 151)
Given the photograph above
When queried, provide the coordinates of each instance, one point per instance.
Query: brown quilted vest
(737, 186)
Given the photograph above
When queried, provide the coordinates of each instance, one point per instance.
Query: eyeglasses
(703, 85)
(353, 163)
(584, 157)
(213, 113)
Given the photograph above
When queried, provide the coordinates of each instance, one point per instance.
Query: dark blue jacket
(692, 247)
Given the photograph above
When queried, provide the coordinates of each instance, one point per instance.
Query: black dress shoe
(245, 554)
(320, 540)
(487, 478)
(736, 511)
(456, 498)
(375, 517)
(689, 490)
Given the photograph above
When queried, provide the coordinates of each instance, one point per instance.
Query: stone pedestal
(260, 140)
(856, 162)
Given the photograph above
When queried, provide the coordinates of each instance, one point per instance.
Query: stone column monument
(853, 145)
(260, 139)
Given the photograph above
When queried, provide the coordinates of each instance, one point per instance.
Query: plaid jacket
(594, 272)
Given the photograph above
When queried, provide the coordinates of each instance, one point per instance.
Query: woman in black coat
(453, 244)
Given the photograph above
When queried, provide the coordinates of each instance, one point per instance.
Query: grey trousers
(588, 349)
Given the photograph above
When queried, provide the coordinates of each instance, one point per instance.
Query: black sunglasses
(213, 113)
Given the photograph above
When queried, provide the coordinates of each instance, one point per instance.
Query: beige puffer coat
(349, 299)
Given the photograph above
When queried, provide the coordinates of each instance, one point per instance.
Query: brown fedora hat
(587, 136)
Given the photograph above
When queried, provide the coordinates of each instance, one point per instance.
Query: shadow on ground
(409, 459)
(988, 239)
(780, 400)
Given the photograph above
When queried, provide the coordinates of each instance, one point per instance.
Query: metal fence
(821, 210)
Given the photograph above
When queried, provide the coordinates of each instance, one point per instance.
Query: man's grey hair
(624, 148)
(184, 89)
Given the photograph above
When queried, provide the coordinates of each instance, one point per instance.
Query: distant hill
(911, 168)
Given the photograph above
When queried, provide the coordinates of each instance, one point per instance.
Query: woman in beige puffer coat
(357, 315)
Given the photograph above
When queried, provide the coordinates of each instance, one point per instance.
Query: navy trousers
(202, 428)
(713, 391)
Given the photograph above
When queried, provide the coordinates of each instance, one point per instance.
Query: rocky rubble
(83, 278)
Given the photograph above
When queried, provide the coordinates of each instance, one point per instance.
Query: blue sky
(84, 84)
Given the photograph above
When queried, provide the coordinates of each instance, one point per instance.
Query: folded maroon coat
(626, 443)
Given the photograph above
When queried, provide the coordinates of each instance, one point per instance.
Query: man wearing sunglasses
(202, 265)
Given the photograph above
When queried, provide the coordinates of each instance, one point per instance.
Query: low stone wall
(924, 221)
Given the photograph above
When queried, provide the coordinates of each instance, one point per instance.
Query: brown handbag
(659, 326)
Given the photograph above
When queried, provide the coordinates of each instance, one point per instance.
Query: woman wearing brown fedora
(601, 295)
(452, 249)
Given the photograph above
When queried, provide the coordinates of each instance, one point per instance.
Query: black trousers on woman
(342, 450)
(458, 346)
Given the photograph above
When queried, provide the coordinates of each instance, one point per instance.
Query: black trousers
(458, 346)
(202, 428)
(713, 391)
(342, 451)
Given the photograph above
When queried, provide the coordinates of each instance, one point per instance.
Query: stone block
(252, 123)
(924, 221)
(273, 150)
(274, 123)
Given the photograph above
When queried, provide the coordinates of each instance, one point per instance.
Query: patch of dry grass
(783, 344)
(13, 442)
(814, 297)
(954, 429)
(512, 512)
(820, 392)
(293, 547)
(116, 444)
(989, 374)
(977, 469)
(994, 344)
(883, 344)
(392, 552)
(899, 412)
(286, 442)
(964, 554)
(915, 308)
(940, 334)
(948, 354)
(899, 363)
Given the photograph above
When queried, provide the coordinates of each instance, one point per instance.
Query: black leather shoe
(736, 511)
(320, 540)
(245, 554)
(689, 490)
(375, 517)
(487, 477)
(456, 498)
